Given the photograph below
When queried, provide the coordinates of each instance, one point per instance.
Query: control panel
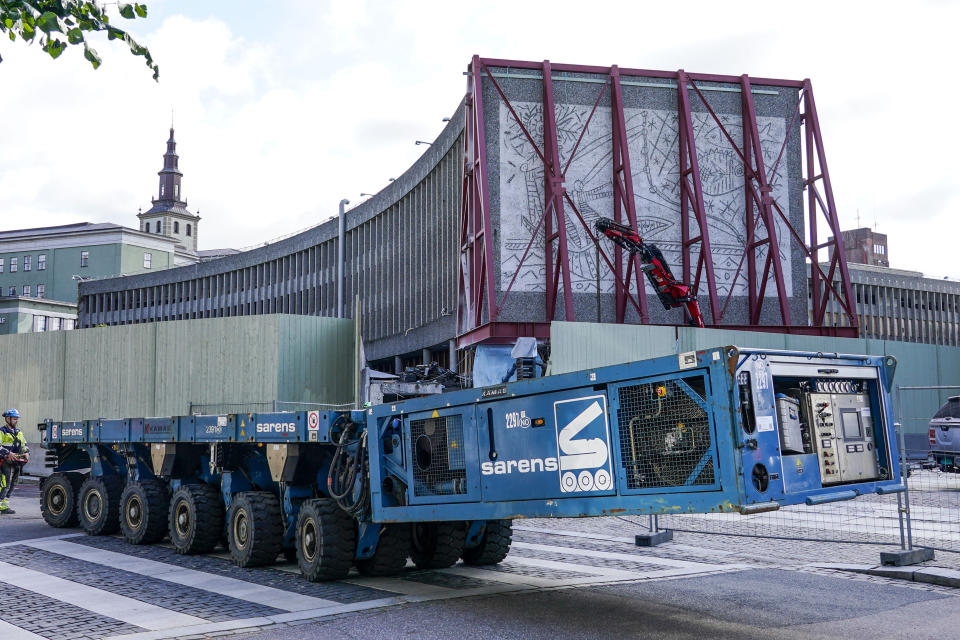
(843, 434)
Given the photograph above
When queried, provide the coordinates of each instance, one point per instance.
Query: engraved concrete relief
(654, 156)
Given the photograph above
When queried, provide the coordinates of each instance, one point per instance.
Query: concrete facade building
(895, 304)
(401, 258)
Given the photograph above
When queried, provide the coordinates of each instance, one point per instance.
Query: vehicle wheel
(58, 501)
(326, 541)
(143, 511)
(196, 518)
(494, 545)
(391, 554)
(437, 545)
(255, 529)
(99, 505)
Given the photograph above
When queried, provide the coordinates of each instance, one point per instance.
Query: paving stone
(56, 620)
(341, 592)
(189, 600)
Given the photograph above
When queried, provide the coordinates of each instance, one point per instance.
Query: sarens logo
(532, 465)
(582, 443)
(277, 427)
(73, 431)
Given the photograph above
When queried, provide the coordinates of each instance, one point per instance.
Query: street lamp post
(340, 234)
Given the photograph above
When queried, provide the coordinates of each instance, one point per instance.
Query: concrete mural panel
(654, 153)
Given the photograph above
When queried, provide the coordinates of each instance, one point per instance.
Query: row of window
(27, 263)
(27, 291)
(14, 263)
(176, 227)
(49, 323)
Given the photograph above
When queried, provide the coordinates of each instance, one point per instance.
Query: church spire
(169, 215)
(170, 176)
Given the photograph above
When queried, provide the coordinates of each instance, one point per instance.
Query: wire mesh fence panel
(930, 460)
(868, 519)
(933, 464)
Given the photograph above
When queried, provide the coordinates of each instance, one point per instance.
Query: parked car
(944, 435)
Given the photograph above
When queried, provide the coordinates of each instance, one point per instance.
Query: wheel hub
(58, 500)
(183, 519)
(134, 513)
(308, 537)
(240, 529)
(92, 505)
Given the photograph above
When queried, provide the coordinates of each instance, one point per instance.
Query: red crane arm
(672, 292)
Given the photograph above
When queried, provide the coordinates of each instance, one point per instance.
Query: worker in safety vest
(14, 453)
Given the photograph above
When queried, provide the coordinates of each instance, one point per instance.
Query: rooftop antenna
(171, 117)
(858, 218)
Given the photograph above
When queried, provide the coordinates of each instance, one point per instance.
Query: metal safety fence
(925, 514)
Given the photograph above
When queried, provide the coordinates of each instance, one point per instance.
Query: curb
(929, 575)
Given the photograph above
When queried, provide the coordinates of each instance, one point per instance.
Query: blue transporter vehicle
(440, 478)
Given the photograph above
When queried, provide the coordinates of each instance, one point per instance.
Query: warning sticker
(313, 420)
(764, 423)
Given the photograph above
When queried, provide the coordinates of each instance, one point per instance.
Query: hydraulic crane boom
(672, 292)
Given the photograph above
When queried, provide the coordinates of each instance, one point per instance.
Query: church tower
(169, 215)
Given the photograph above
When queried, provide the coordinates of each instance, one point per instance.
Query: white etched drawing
(654, 150)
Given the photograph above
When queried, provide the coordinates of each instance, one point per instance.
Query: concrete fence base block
(902, 557)
(653, 539)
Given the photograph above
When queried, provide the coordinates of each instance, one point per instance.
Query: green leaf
(141, 10)
(55, 48)
(126, 11)
(75, 36)
(47, 22)
(90, 54)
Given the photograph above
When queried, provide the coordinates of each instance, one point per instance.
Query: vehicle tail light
(933, 435)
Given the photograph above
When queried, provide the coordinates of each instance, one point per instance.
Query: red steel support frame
(479, 307)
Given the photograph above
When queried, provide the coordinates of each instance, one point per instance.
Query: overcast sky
(283, 108)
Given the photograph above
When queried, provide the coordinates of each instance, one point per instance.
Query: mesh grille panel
(439, 462)
(665, 434)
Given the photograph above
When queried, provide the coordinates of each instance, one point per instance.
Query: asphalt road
(759, 603)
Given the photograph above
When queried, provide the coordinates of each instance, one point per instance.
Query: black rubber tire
(144, 507)
(392, 550)
(437, 545)
(254, 528)
(98, 505)
(494, 545)
(290, 554)
(195, 521)
(326, 541)
(58, 499)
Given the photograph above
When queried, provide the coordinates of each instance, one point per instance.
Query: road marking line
(629, 557)
(503, 576)
(268, 596)
(111, 605)
(593, 572)
(403, 587)
(63, 536)
(11, 632)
